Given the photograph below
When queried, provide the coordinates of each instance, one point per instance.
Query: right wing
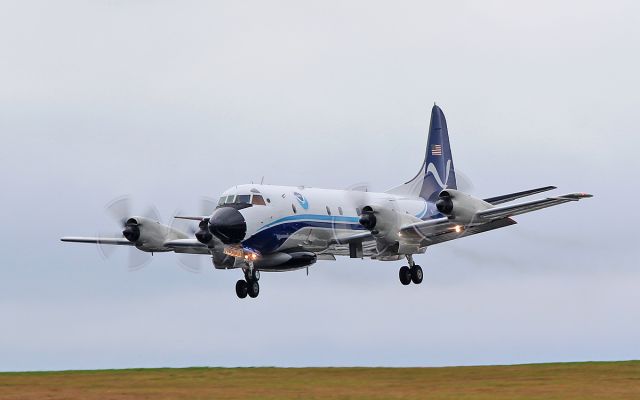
(99, 240)
(191, 246)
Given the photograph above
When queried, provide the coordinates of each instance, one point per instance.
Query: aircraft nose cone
(228, 225)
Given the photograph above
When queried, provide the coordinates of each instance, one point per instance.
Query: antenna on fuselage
(262, 180)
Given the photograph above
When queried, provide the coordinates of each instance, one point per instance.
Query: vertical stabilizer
(437, 171)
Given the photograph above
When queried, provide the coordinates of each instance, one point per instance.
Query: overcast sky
(171, 100)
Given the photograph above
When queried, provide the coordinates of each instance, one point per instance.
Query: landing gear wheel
(416, 274)
(241, 289)
(405, 275)
(253, 275)
(253, 288)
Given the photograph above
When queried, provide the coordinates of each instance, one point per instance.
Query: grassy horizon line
(150, 369)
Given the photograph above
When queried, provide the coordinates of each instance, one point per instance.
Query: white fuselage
(296, 217)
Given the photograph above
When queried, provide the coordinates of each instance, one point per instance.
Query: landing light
(233, 251)
(239, 252)
(458, 229)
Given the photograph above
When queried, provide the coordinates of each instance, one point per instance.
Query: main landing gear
(249, 286)
(413, 273)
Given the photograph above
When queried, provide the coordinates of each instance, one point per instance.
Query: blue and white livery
(258, 228)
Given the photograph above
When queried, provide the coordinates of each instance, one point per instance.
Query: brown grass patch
(607, 380)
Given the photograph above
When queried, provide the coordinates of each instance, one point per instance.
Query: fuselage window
(328, 211)
(230, 199)
(258, 200)
(340, 211)
(293, 207)
(243, 199)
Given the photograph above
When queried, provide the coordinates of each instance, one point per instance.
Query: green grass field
(600, 380)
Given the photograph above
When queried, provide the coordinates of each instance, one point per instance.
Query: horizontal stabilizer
(512, 196)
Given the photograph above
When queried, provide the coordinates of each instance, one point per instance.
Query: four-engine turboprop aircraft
(282, 228)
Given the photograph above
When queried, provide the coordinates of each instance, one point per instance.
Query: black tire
(241, 289)
(416, 274)
(405, 275)
(253, 288)
(255, 275)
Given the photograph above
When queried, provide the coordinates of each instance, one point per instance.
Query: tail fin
(437, 171)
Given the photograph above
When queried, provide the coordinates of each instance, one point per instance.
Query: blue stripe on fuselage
(272, 236)
(314, 217)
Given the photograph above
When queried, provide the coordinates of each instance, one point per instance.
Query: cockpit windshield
(242, 199)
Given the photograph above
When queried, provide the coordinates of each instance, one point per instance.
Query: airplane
(266, 228)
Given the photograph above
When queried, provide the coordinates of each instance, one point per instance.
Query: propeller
(120, 211)
(194, 263)
(464, 183)
(189, 262)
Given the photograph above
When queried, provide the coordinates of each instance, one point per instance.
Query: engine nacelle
(203, 234)
(146, 234)
(384, 223)
(460, 206)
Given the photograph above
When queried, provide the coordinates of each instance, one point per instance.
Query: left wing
(444, 229)
(521, 208)
(355, 238)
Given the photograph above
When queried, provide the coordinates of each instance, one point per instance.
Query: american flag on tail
(436, 150)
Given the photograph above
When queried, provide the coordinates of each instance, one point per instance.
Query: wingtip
(577, 196)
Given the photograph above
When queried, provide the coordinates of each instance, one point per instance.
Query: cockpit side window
(230, 199)
(221, 201)
(243, 199)
(258, 200)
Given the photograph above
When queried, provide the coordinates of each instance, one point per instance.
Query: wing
(443, 229)
(453, 233)
(358, 237)
(521, 208)
(512, 196)
(428, 233)
(428, 227)
(191, 246)
(114, 241)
